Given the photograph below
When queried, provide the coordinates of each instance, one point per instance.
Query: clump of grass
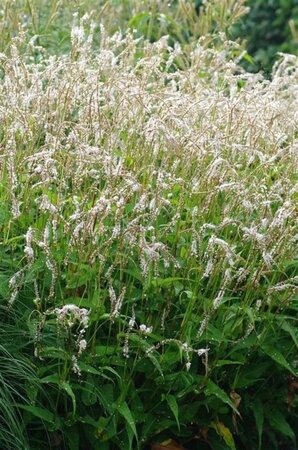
(149, 235)
(17, 381)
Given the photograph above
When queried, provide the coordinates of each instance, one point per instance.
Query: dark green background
(267, 30)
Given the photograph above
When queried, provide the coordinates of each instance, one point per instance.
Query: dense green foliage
(270, 27)
(148, 231)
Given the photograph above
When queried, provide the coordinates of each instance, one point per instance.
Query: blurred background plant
(270, 27)
(267, 27)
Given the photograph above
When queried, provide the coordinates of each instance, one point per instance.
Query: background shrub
(270, 27)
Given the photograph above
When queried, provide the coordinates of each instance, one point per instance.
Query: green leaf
(279, 358)
(67, 388)
(62, 385)
(226, 362)
(138, 18)
(54, 352)
(248, 58)
(89, 369)
(225, 433)
(84, 275)
(104, 350)
(171, 401)
(258, 412)
(251, 374)
(105, 427)
(89, 395)
(126, 444)
(292, 332)
(106, 397)
(72, 438)
(125, 412)
(279, 423)
(134, 274)
(214, 334)
(51, 379)
(41, 413)
(155, 363)
(111, 370)
(213, 389)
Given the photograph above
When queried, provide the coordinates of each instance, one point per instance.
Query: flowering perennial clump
(151, 197)
(129, 153)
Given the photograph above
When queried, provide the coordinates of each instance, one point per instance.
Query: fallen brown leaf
(236, 398)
